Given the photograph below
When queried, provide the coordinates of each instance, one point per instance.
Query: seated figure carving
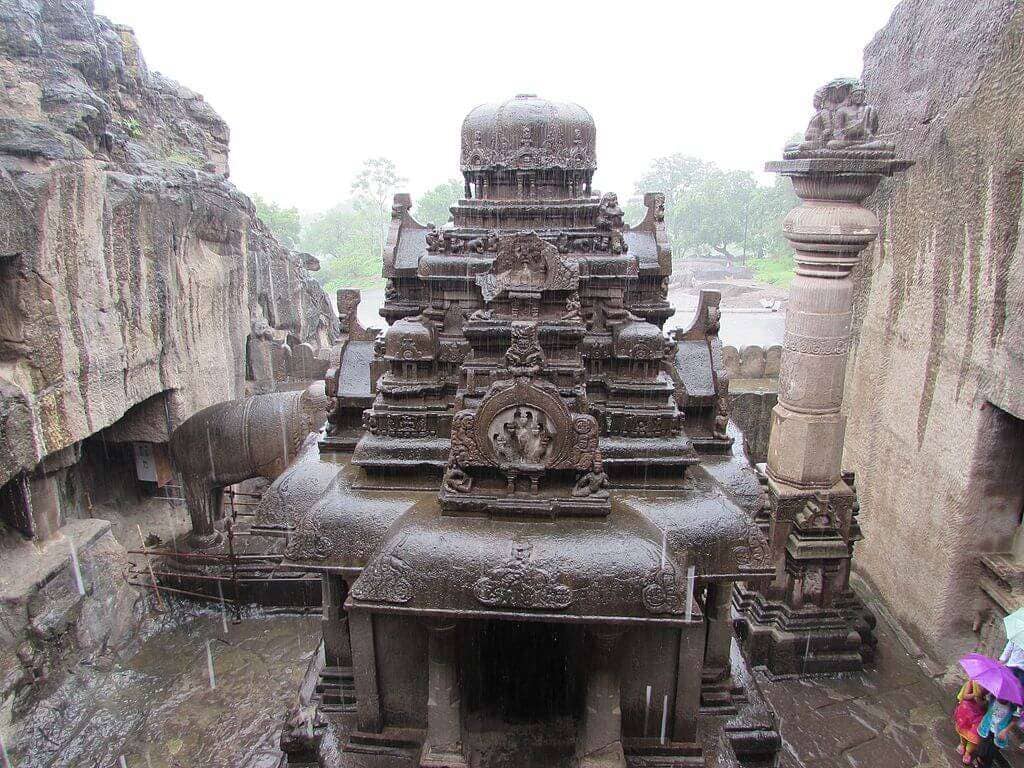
(844, 125)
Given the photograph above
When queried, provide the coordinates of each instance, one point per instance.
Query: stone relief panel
(521, 583)
(527, 263)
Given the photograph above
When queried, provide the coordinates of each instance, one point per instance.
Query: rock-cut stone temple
(524, 560)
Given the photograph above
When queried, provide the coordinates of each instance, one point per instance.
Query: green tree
(433, 207)
(372, 193)
(285, 223)
(708, 209)
(345, 239)
(714, 212)
(673, 175)
(349, 238)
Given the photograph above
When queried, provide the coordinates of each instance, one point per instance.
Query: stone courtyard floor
(157, 708)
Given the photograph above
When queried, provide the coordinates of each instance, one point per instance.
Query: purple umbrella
(994, 677)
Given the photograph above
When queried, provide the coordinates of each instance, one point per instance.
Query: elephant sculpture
(237, 440)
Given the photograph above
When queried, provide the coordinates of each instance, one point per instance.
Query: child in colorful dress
(970, 710)
(997, 720)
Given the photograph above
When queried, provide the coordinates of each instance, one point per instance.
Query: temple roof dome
(639, 340)
(528, 133)
(410, 338)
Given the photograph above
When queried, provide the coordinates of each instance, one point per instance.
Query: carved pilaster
(442, 747)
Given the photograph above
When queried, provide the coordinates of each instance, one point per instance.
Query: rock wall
(939, 314)
(131, 270)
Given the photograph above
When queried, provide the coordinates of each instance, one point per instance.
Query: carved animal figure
(236, 440)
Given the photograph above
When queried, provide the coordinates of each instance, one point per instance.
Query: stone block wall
(939, 315)
(752, 361)
(753, 392)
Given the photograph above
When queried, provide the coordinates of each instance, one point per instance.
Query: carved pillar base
(599, 740)
(442, 747)
(807, 620)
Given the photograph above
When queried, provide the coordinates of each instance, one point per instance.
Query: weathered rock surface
(55, 613)
(940, 313)
(131, 270)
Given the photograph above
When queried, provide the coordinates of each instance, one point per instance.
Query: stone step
(651, 753)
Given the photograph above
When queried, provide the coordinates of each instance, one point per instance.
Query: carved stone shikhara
(807, 619)
(516, 456)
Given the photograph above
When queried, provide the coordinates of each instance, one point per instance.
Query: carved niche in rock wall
(527, 263)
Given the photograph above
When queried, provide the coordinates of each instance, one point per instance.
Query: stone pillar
(806, 620)
(337, 642)
(717, 648)
(442, 747)
(599, 740)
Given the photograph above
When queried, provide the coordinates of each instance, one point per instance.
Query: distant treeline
(708, 211)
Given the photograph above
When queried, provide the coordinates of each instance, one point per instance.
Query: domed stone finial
(528, 133)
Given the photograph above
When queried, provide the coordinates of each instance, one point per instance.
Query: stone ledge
(30, 566)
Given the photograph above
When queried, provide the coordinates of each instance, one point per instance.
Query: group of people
(991, 699)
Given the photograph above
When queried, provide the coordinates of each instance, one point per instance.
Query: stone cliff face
(131, 270)
(940, 313)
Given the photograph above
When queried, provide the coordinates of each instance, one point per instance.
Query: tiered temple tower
(523, 559)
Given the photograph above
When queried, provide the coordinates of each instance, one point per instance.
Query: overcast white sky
(310, 88)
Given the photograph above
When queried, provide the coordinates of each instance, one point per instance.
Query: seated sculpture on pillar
(843, 126)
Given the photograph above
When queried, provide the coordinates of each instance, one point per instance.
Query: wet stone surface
(157, 707)
(892, 714)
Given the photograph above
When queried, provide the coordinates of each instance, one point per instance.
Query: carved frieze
(810, 345)
(643, 424)
(521, 583)
(386, 580)
(400, 424)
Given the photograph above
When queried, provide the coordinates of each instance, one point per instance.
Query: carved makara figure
(455, 478)
(435, 241)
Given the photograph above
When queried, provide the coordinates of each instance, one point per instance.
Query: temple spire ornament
(806, 619)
